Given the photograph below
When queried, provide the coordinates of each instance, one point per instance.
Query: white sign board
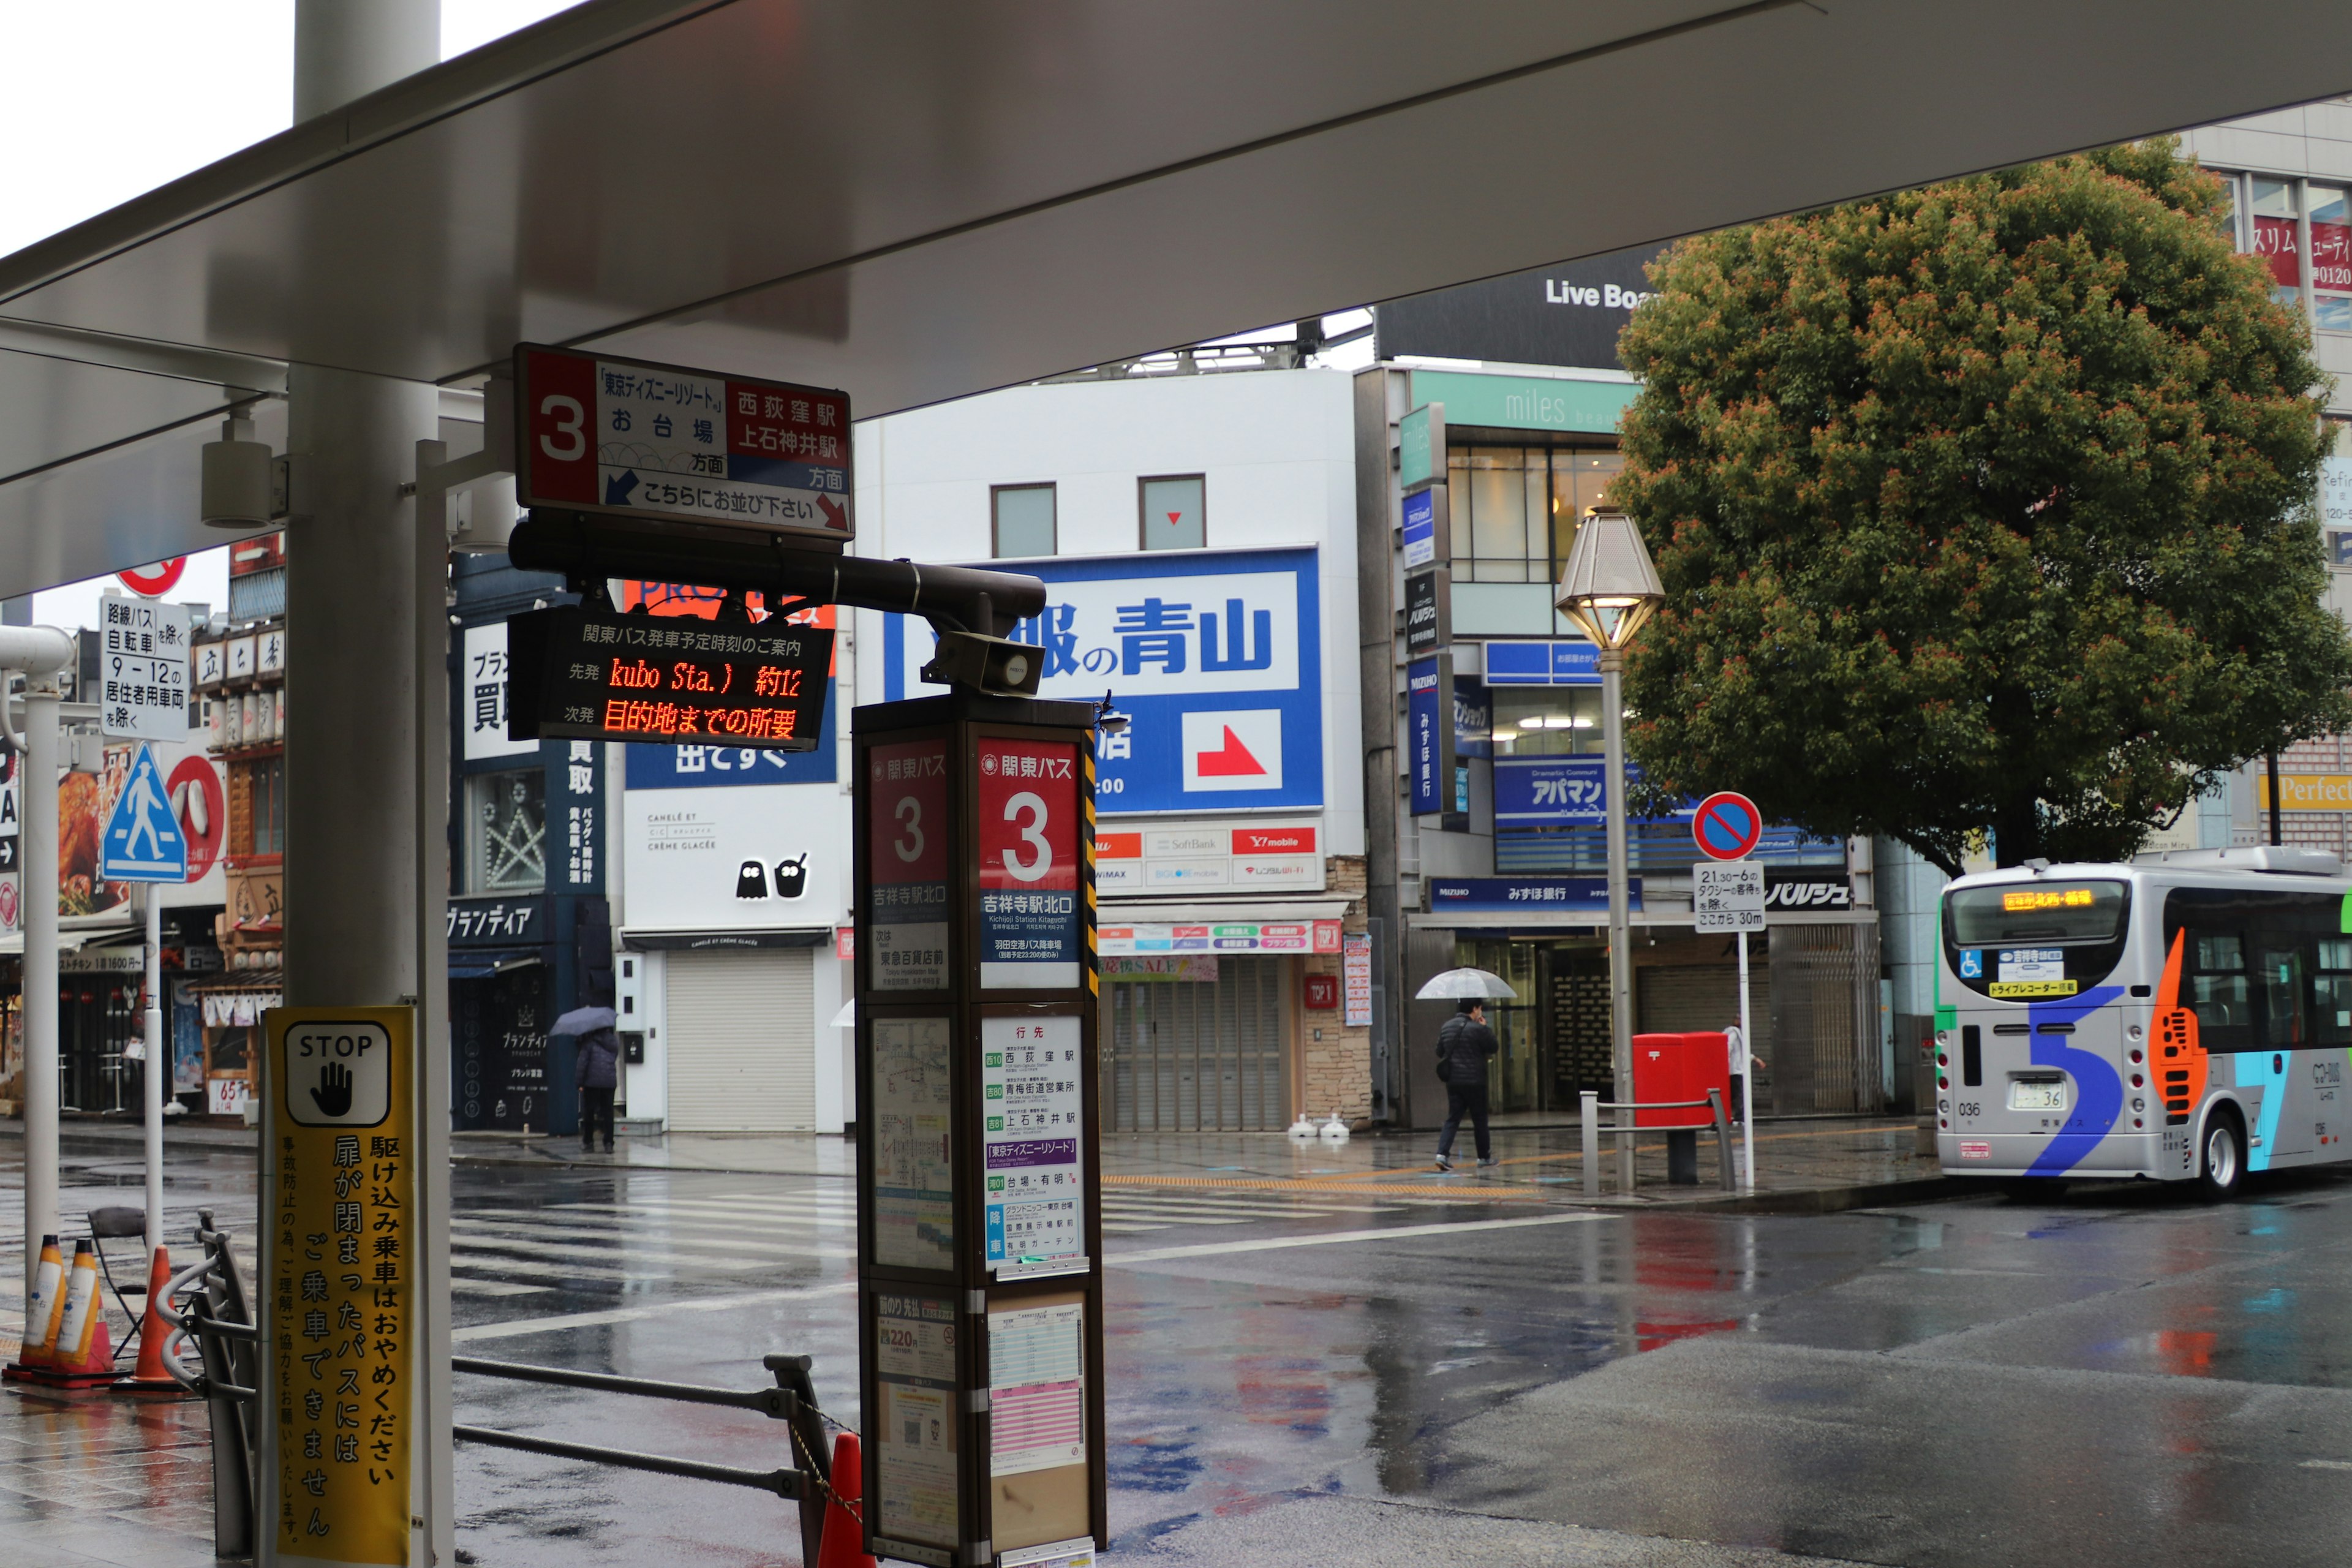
(482, 690)
(1728, 895)
(732, 859)
(143, 669)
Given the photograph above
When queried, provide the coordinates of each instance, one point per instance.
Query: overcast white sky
(106, 98)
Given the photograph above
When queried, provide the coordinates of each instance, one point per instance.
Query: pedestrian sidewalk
(1804, 1165)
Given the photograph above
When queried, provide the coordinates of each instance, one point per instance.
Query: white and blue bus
(2186, 1018)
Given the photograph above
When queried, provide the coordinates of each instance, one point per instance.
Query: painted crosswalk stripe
(496, 1287)
(1388, 1234)
(485, 1246)
(486, 1234)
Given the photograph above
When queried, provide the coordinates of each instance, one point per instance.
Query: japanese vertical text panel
(342, 1276)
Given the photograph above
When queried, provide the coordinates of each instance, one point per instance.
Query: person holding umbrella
(1464, 1045)
(599, 1064)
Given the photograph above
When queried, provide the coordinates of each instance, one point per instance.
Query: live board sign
(662, 441)
(595, 675)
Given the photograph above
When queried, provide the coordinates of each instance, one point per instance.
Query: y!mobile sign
(1216, 659)
(661, 441)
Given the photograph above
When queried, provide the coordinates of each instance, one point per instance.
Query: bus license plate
(2037, 1096)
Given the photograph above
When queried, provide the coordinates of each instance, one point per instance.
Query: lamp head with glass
(1608, 588)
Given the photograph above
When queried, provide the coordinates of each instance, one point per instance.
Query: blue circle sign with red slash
(1727, 826)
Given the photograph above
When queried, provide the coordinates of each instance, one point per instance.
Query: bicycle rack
(218, 1316)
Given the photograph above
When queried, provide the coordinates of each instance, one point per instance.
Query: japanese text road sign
(143, 669)
(1727, 826)
(1728, 895)
(341, 1263)
(660, 441)
(142, 841)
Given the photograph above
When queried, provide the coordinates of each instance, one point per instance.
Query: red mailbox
(1680, 1067)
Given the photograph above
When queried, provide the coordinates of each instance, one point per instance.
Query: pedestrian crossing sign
(142, 841)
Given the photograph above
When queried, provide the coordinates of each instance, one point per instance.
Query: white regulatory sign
(142, 670)
(1728, 895)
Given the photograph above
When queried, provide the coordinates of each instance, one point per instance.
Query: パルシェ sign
(663, 441)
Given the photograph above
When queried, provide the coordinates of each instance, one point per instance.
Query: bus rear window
(2034, 912)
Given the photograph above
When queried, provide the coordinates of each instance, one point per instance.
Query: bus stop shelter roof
(927, 198)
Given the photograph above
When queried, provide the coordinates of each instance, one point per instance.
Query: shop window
(257, 823)
(2331, 259)
(1515, 509)
(1022, 522)
(1172, 508)
(2270, 235)
(506, 832)
(1547, 722)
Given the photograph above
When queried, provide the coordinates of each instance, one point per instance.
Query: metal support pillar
(155, 1070)
(366, 750)
(37, 793)
(1621, 938)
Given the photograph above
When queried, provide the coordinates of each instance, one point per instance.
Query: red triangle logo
(1174, 517)
(1231, 759)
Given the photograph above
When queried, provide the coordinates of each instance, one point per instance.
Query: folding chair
(119, 1222)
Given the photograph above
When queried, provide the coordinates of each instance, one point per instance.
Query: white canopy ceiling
(924, 199)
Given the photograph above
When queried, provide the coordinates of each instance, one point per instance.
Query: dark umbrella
(585, 1021)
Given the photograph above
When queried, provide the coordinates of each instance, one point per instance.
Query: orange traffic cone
(44, 1305)
(844, 1545)
(149, 1376)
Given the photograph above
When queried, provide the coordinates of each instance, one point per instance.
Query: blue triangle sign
(142, 841)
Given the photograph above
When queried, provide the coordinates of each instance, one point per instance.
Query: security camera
(993, 665)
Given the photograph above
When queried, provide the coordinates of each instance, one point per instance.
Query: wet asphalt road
(2109, 1378)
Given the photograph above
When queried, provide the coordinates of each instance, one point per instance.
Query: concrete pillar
(366, 756)
(37, 803)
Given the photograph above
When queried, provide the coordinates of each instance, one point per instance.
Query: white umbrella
(1456, 984)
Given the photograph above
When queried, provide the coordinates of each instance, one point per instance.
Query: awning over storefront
(701, 941)
(481, 963)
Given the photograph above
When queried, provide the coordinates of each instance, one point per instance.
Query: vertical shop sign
(341, 1270)
(1429, 735)
(1028, 865)
(1031, 1102)
(1356, 978)
(908, 831)
(575, 799)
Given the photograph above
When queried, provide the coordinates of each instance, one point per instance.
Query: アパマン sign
(661, 441)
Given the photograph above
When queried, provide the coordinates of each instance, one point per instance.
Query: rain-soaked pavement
(2112, 1377)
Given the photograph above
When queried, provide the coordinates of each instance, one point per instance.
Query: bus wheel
(2223, 1166)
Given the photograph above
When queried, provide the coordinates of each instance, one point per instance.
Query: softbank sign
(1607, 296)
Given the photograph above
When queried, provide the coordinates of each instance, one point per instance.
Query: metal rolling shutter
(1198, 1058)
(1680, 998)
(742, 1041)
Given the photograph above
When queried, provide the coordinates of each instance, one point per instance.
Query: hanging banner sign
(341, 1263)
(1030, 1107)
(661, 441)
(1028, 865)
(909, 852)
(595, 675)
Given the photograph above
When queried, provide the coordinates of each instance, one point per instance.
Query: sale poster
(906, 848)
(1029, 892)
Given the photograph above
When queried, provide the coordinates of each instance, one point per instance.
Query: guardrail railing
(1590, 1108)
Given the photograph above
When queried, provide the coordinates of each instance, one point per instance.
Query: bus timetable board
(595, 675)
(667, 442)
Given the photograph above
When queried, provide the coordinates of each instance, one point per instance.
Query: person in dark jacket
(1464, 1045)
(599, 1073)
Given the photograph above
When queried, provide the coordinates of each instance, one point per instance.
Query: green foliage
(1981, 506)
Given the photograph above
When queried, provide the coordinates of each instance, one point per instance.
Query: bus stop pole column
(155, 1070)
(1621, 939)
(1747, 1075)
(38, 848)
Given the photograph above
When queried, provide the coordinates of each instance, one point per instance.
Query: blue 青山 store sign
(1215, 656)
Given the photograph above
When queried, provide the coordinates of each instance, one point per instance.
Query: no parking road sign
(1727, 826)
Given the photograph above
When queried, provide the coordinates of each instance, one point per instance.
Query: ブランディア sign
(597, 434)
(595, 675)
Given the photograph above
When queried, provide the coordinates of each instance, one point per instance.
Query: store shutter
(1679, 998)
(1186, 1057)
(742, 1031)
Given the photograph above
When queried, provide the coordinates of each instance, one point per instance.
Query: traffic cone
(149, 1376)
(44, 1304)
(844, 1542)
(83, 1350)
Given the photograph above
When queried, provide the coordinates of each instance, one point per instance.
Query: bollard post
(1722, 1141)
(1589, 1120)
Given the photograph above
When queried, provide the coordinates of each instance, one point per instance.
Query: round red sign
(154, 582)
(1727, 826)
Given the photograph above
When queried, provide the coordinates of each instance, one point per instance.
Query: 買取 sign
(1215, 658)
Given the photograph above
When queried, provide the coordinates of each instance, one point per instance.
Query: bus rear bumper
(2119, 1156)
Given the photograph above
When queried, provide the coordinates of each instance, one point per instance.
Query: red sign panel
(1029, 829)
(1323, 991)
(907, 834)
(664, 441)
(1274, 841)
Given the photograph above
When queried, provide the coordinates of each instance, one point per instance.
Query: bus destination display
(595, 675)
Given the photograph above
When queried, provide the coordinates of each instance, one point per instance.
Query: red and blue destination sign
(1727, 826)
(662, 441)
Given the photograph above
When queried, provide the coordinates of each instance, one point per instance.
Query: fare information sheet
(1036, 1387)
(1031, 1108)
(914, 1217)
(915, 1365)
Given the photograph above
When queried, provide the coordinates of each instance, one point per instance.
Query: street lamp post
(1609, 590)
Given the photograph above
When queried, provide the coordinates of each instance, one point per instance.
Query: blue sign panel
(1425, 741)
(1572, 663)
(142, 841)
(1474, 719)
(1216, 657)
(1420, 528)
(1548, 895)
(1562, 792)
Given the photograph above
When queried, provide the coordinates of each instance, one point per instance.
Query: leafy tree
(1987, 505)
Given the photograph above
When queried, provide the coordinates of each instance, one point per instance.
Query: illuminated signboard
(595, 675)
(2046, 899)
(662, 441)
